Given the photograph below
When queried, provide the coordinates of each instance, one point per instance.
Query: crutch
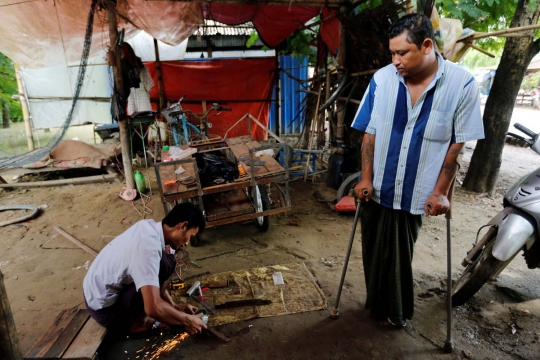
(334, 313)
(449, 342)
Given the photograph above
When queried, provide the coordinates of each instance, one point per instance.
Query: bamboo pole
(82, 180)
(77, 242)
(500, 32)
(340, 98)
(25, 110)
(119, 87)
(481, 50)
(9, 341)
(159, 77)
(312, 129)
(340, 126)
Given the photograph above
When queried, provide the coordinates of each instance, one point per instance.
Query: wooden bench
(73, 335)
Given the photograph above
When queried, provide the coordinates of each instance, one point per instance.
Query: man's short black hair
(186, 212)
(418, 27)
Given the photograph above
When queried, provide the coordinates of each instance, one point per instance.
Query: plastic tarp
(143, 45)
(41, 33)
(50, 89)
(245, 85)
(273, 23)
(330, 30)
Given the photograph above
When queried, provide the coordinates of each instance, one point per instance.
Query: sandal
(397, 322)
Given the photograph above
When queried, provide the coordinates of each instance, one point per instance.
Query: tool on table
(191, 291)
(334, 313)
(177, 284)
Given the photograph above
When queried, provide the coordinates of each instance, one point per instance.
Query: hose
(19, 207)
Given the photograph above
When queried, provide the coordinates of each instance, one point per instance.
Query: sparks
(168, 345)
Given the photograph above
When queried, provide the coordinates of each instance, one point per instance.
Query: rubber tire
(348, 184)
(483, 268)
(288, 159)
(265, 199)
(196, 241)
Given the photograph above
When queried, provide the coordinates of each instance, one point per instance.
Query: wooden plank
(77, 242)
(9, 341)
(87, 342)
(52, 334)
(166, 173)
(240, 147)
(62, 343)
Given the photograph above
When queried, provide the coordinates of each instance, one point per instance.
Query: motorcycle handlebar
(525, 130)
(530, 142)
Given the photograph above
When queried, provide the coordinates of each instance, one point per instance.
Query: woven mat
(300, 293)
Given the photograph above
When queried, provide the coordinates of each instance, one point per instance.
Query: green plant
(8, 88)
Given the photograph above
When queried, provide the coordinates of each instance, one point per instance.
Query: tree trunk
(517, 54)
(5, 115)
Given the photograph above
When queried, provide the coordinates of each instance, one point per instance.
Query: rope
(30, 157)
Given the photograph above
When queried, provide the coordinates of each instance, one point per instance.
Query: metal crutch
(334, 313)
(449, 342)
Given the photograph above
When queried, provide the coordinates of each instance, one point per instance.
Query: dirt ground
(43, 274)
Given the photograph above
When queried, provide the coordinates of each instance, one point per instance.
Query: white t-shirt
(133, 256)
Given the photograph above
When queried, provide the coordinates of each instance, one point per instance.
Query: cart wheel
(263, 203)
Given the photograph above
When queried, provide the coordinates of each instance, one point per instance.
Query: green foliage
(482, 16)
(8, 87)
(476, 60)
(253, 37)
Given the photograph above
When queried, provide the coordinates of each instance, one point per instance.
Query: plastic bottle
(140, 182)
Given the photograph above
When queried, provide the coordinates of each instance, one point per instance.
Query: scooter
(513, 229)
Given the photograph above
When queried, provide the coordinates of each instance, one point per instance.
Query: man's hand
(188, 309)
(436, 205)
(194, 324)
(362, 188)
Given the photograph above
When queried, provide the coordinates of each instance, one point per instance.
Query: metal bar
(231, 220)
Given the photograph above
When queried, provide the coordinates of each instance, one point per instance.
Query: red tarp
(330, 30)
(245, 85)
(273, 23)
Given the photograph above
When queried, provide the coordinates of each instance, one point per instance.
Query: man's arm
(157, 308)
(439, 197)
(366, 183)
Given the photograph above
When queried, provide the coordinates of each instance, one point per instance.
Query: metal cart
(252, 196)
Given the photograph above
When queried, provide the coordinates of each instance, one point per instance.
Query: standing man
(124, 287)
(417, 114)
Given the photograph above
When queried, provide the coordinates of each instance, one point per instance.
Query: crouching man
(124, 287)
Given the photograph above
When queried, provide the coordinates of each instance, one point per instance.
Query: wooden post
(119, 87)
(340, 128)
(25, 111)
(159, 78)
(9, 341)
(209, 46)
(277, 78)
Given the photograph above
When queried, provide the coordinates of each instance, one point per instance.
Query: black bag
(215, 169)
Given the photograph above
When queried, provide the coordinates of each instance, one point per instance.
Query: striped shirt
(411, 142)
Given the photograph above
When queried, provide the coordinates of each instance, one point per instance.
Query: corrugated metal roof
(212, 27)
